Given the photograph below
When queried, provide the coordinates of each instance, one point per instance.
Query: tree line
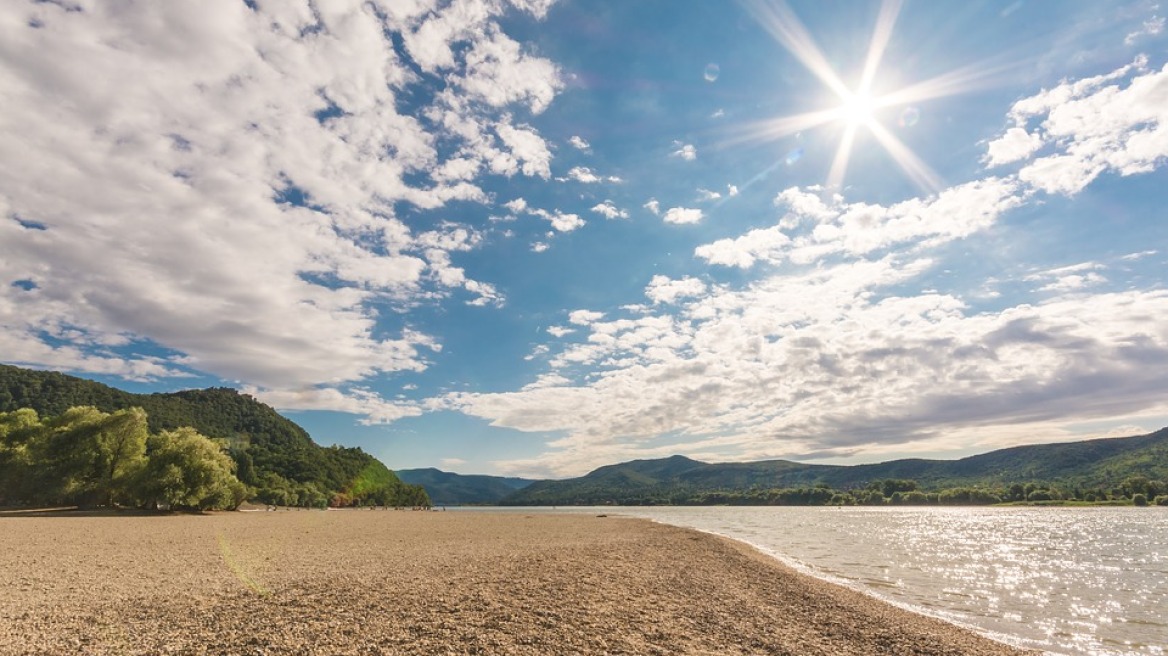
(90, 458)
(1134, 490)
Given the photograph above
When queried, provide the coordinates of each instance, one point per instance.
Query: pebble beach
(401, 582)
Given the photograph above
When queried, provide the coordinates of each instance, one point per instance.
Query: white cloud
(835, 227)
(1140, 255)
(451, 463)
(1093, 126)
(1069, 278)
(705, 195)
(685, 151)
(372, 407)
(1014, 145)
(653, 206)
(587, 176)
(560, 331)
(731, 190)
(540, 246)
(517, 205)
(610, 211)
(179, 146)
(793, 365)
(1151, 27)
(563, 222)
(579, 143)
(744, 251)
(682, 215)
(663, 289)
(584, 317)
(531, 154)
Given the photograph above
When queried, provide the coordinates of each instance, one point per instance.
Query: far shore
(425, 583)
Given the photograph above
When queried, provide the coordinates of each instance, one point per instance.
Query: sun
(858, 109)
(858, 106)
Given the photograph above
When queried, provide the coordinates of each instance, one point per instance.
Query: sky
(530, 237)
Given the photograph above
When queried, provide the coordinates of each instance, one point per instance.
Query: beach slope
(386, 582)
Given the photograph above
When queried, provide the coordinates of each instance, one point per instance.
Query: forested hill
(448, 488)
(274, 455)
(1100, 467)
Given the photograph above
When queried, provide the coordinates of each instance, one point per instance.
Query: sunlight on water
(1065, 580)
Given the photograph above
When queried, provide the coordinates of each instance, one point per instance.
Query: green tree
(186, 470)
(89, 457)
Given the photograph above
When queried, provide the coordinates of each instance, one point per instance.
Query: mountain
(1101, 463)
(273, 454)
(447, 488)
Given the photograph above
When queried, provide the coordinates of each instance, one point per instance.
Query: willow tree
(90, 457)
(186, 470)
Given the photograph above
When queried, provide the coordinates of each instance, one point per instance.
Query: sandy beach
(399, 582)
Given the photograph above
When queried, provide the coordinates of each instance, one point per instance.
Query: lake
(1064, 580)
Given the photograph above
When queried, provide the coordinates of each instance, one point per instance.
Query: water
(1063, 580)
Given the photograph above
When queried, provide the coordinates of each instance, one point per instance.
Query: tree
(89, 457)
(186, 470)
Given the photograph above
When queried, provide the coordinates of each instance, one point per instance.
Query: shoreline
(805, 569)
(400, 582)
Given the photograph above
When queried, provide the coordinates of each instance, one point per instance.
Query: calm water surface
(1064, 580)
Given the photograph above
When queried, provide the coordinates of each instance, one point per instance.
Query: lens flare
(712, 72)
(858, 106)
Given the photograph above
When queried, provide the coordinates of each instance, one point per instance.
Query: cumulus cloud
(682, 215)
(791, 364)
(584, 317)
(372, 407)
(587, 176)
(705, 195)
(663, 289)
(653, 206)
(233, 209)
(610, 211)
(579, 143)
(1014, 145)
(560, 331)
(1115, 122)
(561, 221)
(813, 229)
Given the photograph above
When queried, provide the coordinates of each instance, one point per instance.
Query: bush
(1161, 500)
(1139, 499)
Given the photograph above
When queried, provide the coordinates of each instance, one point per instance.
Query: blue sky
(535, 237)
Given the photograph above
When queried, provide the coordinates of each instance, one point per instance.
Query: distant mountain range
(446, 488)
(1095, 463)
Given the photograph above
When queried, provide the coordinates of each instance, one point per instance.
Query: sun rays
(857, 107)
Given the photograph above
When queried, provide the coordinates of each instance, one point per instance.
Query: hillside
(447, 488)
(1101, 464)
(273, 454)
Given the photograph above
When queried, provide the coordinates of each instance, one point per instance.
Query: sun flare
(858, 106)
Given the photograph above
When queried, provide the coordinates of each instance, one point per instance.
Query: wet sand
(399, 582)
